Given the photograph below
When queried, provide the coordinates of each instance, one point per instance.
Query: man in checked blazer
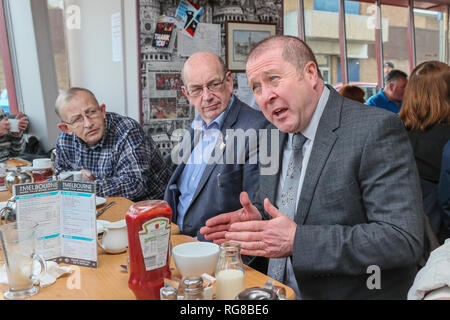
(212, 169)
(357, 232)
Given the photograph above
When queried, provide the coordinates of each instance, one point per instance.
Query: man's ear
(229, 78)
(391, 86)
(103, 110)
(185, 92)
(310, 73)
(65, 128)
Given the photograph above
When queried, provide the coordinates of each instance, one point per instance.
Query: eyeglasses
(213, 87)
(79, 120)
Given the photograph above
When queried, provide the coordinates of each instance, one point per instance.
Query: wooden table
(109, 281)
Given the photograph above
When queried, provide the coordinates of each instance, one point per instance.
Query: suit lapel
(323, 144)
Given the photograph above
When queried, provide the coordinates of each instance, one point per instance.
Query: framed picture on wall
(240, 39)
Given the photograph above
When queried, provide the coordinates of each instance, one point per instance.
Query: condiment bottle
(193, 288)
(148, 225)
(169, 293)
(42, 170)
(230, 272)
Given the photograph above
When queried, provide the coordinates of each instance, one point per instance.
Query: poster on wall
(166, 100)
(163, 33)
(207, 38)
(189, 13)
(116, 36)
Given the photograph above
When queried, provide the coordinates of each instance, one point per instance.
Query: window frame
(7, 64)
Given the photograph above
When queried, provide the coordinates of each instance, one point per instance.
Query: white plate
(99, 201)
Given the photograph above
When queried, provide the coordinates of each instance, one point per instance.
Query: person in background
(390, 97)
(11, 143)
(346, 197)
(426, 116)
(199, 190)
(388, 66)
(444, 187)
(353, 92)
(108, 148)
(432, 282)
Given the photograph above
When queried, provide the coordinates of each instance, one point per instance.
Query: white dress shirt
(309, 132)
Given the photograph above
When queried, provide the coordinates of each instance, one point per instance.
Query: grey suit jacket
(221, 183)
(360, 206)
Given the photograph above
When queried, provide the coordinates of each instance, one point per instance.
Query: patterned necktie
(277, 267)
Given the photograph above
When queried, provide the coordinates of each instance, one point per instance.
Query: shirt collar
(383, 96)
(200, 124)
(310, 131)
(387, 100)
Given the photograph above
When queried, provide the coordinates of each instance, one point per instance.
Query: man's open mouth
(279, 111)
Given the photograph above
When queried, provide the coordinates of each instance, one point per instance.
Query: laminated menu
(66, 213)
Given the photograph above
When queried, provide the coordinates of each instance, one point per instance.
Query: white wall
(90, 52)
(91, 65)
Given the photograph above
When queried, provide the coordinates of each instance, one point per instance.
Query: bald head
(201, 58)
(207, 84)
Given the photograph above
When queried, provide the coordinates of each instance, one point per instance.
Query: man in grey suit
(356, 230)
(213, 168)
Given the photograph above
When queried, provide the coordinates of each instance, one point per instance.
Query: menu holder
(66, 213)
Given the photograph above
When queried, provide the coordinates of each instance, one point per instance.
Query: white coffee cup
(13, 125)
(77, 175)
(71, 175)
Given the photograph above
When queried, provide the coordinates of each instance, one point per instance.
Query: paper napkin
(45, 279)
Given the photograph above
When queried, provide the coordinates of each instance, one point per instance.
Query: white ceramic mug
(115, 237)
(13, 125)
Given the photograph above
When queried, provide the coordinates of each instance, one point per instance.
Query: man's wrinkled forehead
(80, 101)
(264, 62)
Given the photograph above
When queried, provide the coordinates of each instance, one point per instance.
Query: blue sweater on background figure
(380, 100)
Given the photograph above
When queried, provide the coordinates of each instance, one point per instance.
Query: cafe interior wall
(159, 120)
(103, 52)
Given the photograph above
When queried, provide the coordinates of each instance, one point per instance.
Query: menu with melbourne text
(66, 214)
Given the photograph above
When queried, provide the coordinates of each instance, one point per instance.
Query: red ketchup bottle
(148, 225)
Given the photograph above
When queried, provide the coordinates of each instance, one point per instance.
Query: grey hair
(394, 75)
(67, 95)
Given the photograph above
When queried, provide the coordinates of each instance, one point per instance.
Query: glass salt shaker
(193, 288)
(168, 293)
(230, 272)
